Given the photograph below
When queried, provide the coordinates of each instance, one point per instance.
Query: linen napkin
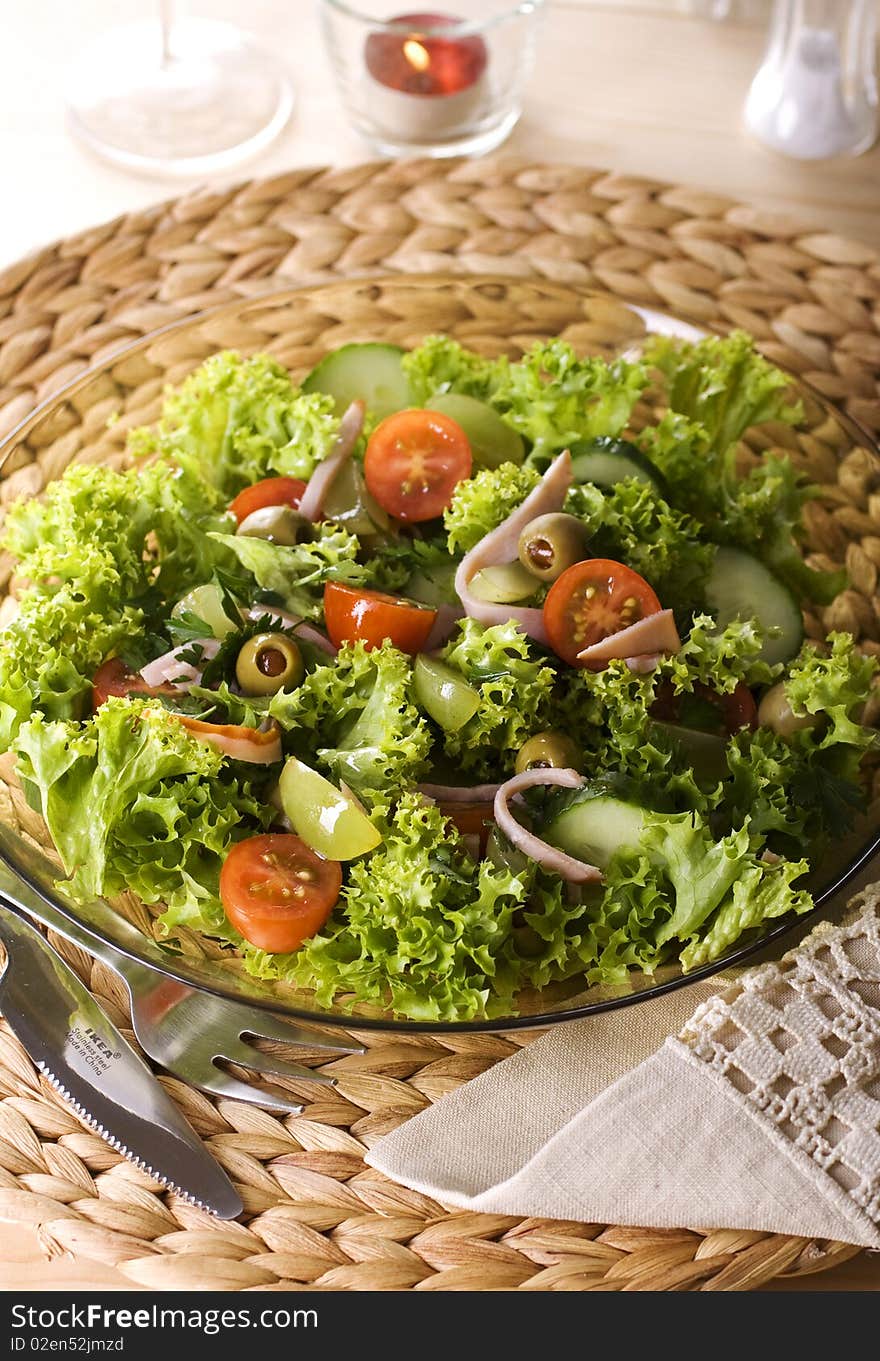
(758, 1110)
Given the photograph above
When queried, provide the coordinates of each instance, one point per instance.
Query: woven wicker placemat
(316, 1217)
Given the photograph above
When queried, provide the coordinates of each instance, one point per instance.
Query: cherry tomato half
(471, 819)
(353, 613)
(272, 491)
(277, 891)
(114, 678)
(414, 461)
(591, 600)
(706, 709)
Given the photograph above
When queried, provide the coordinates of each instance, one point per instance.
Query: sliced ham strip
(257, 746)
(547, 856)
(501, 546)
(653, 634)
(649, 661)
(307, 632)
(447, 618)
(456, 793)
(322, 478)
(169, 666)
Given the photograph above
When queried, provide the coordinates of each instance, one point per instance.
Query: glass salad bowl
(89, 419)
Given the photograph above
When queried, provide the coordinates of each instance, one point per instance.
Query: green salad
(440, 678)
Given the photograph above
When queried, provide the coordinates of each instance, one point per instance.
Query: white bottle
(815, 93)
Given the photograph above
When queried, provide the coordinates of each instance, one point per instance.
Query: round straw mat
(316, 1217)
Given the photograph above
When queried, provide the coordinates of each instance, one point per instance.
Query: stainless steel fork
(187, 1031)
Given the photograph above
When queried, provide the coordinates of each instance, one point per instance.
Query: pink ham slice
(501, 546)
(640, 642)
(257, 746)
(447, 618)
(459, 793)
(170, 668)
(323, 477)
(307, 632)
(547, 856)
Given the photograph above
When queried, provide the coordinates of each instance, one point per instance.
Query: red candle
(425, 85)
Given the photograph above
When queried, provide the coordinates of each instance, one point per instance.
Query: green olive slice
(267, 663)
(552, 543)
(277, 524)
(775, 712)
(548, 750)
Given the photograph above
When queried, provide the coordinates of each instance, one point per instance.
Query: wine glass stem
(166, 20)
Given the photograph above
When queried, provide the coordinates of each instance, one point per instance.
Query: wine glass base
(218, 100)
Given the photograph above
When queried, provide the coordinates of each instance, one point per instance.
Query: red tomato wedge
(277, 891)
(352, 613)
(272, 491)
(738, 709)
(471, 819)
(591, 600)
(114, 678)
(735, 710)
(414, 461)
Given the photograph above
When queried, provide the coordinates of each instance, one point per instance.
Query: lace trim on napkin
(800, 1041)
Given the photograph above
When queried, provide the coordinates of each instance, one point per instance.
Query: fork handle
(151, 991)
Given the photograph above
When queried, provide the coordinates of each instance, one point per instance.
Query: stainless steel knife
(84, 1056)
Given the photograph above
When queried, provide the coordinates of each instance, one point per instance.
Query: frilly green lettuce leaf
(807, 789)
(481, 503)
(296, 575)
(238, 420)
(699, 870)
(836, 686)
(723, 383)
(683, 893)
(92, 510)
(148, 526)
(440, 365)
(515, 687)
(134, 802)
(553, 397)
(355, 718)
(717, 389)
(610, 711)
(632, 523)
(720, 658)
(51, 650)
(760, 894)
(418, 928)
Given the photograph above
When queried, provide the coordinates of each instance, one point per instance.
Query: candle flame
(416, 54)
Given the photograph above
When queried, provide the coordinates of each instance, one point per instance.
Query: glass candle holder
(432, 84)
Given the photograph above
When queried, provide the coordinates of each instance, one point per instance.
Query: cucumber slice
(371, 372)
(492, 440)
(596, 826)
(607, 461)
(739, 586)
(328, 819)
(443, 694)
(706, 753)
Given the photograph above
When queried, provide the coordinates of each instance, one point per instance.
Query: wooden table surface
(641, 92)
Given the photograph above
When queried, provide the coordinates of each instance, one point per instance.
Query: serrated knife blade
(80, 1051)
